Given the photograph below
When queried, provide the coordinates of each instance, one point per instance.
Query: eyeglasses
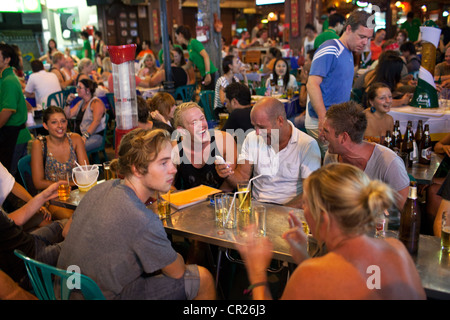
(78, 87)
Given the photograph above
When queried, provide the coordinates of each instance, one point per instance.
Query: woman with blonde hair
(148, 67)
(356, 266)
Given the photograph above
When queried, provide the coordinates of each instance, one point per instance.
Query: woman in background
(378, 119)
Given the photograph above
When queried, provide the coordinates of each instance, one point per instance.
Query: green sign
(20, 6)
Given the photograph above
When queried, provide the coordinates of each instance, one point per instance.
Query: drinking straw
(232, 203)
(248, 189)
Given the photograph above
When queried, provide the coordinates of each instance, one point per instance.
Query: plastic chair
(24, 168)
(101, 148)
(185, 92)
(59, 97)
(207, 103)
(43, 275)
(111, 135)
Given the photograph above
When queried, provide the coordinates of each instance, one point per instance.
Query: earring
(372, 109)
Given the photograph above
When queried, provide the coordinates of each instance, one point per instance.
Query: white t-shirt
(6, 183)
(43, 84)
(382, 165)
(283, 171)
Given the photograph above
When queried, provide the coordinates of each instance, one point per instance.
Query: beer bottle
(397, 136)
(425, 147)
(388, 141)
(419, 132)
(408, 145)
(409, 230)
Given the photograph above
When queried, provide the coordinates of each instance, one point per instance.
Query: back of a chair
(110, 97)
(207, 103)
(24, 167)
(42, 277)
(56, 99)
(185, 92)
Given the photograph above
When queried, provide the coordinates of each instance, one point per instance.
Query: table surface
(197, 222)
(424, 173)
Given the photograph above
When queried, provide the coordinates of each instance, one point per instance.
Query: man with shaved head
(279, 152)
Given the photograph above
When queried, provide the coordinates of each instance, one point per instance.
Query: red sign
(294, 18)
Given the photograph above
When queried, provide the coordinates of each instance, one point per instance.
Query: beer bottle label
(388, 139)
(426, 153)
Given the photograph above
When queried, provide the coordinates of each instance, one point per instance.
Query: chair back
(253, 56)
(110, 97)
(207, 103)
(56, 99)
(185, 92)
(24, 168)
(101, 148)
(43, 277)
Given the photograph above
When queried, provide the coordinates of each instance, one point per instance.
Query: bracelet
(207, 72)
(86, 135)
(252, 286)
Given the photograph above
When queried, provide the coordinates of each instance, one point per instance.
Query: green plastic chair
(111, 134)
(95, 152)
(56, 99)
(185, 92)
(207, 103)
(24, 168)
(42, 277)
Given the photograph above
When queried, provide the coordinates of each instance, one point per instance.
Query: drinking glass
(259, 217)
(108, 172)
(244, 199)
(163, 206)
(64, 189)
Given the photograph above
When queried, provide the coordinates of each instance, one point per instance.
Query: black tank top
(189, 176)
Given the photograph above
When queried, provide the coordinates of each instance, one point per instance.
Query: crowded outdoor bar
(224, 150)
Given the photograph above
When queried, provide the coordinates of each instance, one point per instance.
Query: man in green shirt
(198, 56)
(13, 109)
(412, 26)
(87, 50)
(336, 24)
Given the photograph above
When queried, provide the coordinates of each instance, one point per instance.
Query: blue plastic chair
(56, 99)
(42, 277)
(95, 152)
(185, 92)
(207, 103)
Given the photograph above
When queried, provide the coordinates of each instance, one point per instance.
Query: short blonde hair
(178, 114)
(57, 56)
(138, 148)
(83, 64)
(346, 192)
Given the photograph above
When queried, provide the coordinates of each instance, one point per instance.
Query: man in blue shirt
(331, 77)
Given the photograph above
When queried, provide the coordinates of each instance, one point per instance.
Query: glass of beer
(163, 206)
(219, 209)
(108, 173)
(223, 117)
(290, 92)
(245, 198)
(445, 232)
(64, 189)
